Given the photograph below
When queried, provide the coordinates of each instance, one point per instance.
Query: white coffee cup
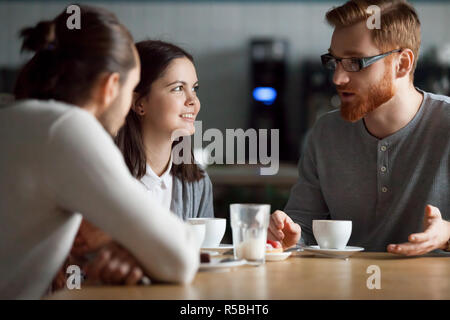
(215, 230)
(332, 234)
(199, 233)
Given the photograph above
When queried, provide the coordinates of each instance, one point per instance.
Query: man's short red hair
(400, 24)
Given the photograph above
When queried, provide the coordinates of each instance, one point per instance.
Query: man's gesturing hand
(435, 236)
(283, 229)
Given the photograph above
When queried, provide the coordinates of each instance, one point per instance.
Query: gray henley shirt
(382, 185)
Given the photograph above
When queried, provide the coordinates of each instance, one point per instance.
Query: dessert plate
(216, 263)
(211, 253)
(220, 246)
(277, 256)
(334, 253)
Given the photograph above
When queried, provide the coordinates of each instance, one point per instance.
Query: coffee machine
(268, 61)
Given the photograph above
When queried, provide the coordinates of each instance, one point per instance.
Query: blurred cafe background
(258, 65)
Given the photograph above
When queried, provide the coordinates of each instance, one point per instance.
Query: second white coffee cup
(332, 234)
(199, 233)
(214, 230)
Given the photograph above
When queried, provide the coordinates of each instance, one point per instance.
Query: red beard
(361, 105)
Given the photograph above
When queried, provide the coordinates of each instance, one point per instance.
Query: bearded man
(383, 161)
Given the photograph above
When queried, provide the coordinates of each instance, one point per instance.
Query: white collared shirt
(159, 187)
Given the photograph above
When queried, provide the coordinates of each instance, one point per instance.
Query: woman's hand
(89, 239)
(113, 265)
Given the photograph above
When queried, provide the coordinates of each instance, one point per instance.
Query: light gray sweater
(58, 160)
(382, 185)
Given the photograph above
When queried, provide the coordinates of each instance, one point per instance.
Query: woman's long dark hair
(155, 57)
(68, 62)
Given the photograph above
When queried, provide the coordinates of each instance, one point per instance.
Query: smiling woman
(165, 102)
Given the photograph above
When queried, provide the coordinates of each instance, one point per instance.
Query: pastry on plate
(273, 246)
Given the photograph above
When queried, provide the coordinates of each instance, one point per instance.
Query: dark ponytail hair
(155, 57)
(68, 62)
(39, 37)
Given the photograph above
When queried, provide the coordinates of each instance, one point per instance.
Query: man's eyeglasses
(352, 64)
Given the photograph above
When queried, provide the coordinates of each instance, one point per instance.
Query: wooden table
(302, 276)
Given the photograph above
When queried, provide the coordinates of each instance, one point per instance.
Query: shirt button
(384, 189)
(383, 148)
(383, 169)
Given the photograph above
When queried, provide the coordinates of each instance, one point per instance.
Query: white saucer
(277, 256)
(335, 253)
(216, 264)
(211, 253)
(221, 246)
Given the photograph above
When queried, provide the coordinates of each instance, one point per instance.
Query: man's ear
(109, 90)
(405, 63)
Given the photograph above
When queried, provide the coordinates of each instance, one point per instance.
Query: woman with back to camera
(165, 103)
(61, 159)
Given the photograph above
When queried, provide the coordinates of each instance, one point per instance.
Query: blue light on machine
(266, 95)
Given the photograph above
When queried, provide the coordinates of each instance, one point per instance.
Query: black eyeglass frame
(363, 62)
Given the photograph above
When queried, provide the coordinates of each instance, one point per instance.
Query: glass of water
(249, 223)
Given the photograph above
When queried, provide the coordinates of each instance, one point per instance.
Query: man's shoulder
(35, 105)
(72, 118)
(440, 101)
(56, 123)
(37, 119)
(44, 111)
(439, 98)
(331, 121)
(330, 117)
(438, 107)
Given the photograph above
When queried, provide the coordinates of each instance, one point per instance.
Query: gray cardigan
(192, 199)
